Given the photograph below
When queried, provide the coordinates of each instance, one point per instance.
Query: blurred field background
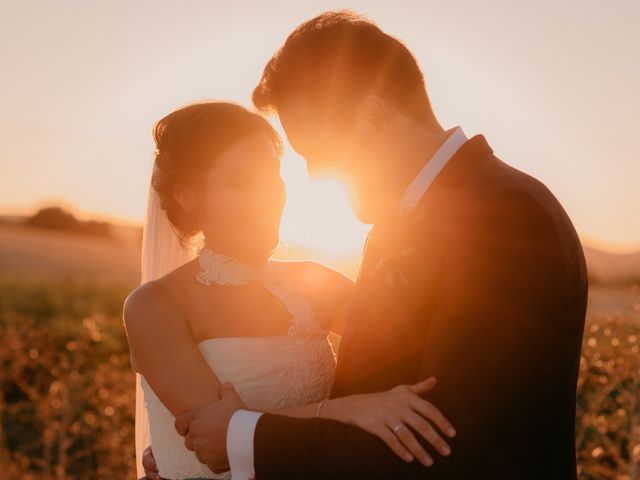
(67, 391)
(553, 86)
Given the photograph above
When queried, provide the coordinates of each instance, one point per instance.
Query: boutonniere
(394, 239)
(395, 278)
(395, 263)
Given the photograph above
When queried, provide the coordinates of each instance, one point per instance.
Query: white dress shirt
(242, 426)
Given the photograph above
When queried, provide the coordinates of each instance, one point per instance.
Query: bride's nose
(270, 194)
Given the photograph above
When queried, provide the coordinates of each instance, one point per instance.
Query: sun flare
(318, 222)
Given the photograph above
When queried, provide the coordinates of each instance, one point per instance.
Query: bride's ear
(185, 196)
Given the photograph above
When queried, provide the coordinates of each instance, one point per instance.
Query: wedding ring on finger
(397, 428)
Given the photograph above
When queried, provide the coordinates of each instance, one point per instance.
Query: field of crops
(66, 390)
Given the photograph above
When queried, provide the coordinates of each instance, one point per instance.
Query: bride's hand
(389, 415)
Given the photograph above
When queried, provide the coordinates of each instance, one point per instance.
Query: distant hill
(114, 252)
(34, 252)
(57, 218)
(607, 267)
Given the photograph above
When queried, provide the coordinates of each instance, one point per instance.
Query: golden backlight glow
(554, 90)
(318, 223)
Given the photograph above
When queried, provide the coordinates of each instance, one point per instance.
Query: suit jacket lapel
(382, 240)
(370, 257)
(448, 179)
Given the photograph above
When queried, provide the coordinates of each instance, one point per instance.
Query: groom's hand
(205, 428)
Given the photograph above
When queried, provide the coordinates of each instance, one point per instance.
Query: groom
(473, 274)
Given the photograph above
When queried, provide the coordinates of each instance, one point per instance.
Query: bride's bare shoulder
(144, 298)
(157, 300)
(154, 317)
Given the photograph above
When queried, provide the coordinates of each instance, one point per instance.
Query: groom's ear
(372, 116)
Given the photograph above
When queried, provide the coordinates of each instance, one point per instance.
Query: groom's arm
(504, 272)
(499, 338)
(293, 448)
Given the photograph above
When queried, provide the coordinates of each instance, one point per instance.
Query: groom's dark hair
(339, 57)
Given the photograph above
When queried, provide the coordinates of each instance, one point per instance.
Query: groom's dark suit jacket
(484, 286)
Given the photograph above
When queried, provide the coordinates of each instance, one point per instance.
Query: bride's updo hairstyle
(188, 141)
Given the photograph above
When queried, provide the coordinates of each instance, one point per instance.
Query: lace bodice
(267, 372)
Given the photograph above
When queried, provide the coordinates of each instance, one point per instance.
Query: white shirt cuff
(240, 432)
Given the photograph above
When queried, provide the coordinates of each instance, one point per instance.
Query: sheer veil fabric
(162, 252)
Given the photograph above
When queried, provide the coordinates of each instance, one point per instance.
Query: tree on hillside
(56, 218)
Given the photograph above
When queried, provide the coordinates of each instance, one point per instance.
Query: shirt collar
(419, 186)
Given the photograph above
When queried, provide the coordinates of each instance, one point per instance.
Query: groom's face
(334, 145)
(325, 146)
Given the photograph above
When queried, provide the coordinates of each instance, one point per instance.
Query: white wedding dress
(267, 372)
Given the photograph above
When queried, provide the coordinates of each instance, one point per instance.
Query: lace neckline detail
(219, 269)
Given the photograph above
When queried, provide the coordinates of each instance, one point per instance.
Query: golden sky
(554, 86)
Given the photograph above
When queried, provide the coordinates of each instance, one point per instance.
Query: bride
(221, 311)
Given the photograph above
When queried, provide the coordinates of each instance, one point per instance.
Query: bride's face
(242, 200)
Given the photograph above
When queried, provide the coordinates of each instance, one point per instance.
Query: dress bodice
(268, 373)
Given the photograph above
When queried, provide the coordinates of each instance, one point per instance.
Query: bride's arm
(380, 413)
(329, 292)
(164, 350)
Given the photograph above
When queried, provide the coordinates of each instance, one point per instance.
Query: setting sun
(317, 216)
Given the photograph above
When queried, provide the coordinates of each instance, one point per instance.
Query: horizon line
(617, 248)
